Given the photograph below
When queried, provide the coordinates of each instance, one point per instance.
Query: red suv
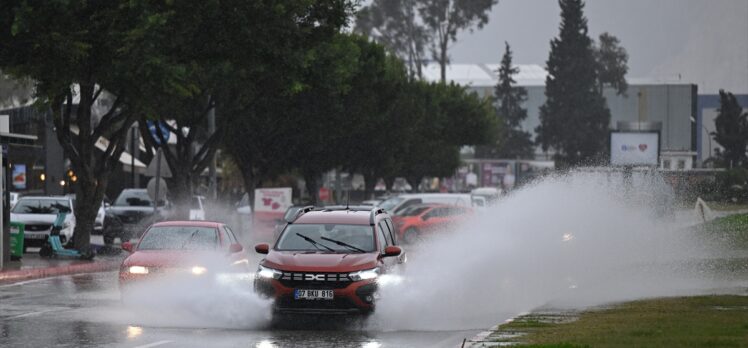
(417, 221)
(328, 260)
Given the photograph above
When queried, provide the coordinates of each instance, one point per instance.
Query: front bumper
(353, 297)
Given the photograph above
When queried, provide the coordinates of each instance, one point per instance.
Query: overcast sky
(699, 41)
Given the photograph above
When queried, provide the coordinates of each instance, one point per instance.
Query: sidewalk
(33, 266)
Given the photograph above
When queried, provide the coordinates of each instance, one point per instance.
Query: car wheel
(410, 236)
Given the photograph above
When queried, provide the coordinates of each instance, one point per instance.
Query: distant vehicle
(14, 196)
(397, 204)
(483, 197)
(129, 215)
(328, 261)
(38, 214)
(194, 249)
(419, 220)
(197, 208)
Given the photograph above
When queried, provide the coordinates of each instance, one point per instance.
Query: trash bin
(16, 240)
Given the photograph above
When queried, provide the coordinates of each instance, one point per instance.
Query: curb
(10, 277)
(479, 338)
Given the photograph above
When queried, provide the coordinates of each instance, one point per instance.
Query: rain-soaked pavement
(85, 311)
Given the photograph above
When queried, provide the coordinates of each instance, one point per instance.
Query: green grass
(704, 321)
(732, 231)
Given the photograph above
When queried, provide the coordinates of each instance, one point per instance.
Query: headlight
(138, 270)
(268, 273)
(365, 274)
(198, 270)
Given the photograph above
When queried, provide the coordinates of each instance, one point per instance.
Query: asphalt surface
(86, 311)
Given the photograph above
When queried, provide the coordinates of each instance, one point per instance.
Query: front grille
(37, 227)
(340, 303)
(315, 280)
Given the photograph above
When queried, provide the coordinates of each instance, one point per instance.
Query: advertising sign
(19, 176)
(634, 148)
(273, 200)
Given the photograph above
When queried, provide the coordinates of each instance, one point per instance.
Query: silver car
(38, 214)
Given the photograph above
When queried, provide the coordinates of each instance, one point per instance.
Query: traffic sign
(154, 131)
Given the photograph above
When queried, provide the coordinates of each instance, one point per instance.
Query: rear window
(179, 238)
(41, 206)
(130, 198)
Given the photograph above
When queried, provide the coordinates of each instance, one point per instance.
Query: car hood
(320, 262)
(37, 218)
(174, 258)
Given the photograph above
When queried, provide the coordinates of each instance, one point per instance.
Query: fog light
(138, 270)
(369, 299)
(197, 270)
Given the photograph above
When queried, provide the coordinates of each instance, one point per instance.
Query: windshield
(42, 206)
(179, 238)
(413, 211)
(358, 237)
(390, 203)
(130, 198)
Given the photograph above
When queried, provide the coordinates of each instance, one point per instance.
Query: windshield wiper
(344, 244)
(315, 243)
(188, 240)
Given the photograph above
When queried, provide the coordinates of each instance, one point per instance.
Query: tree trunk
(443, 61)
(250, 183)
(370, 181)
(89, 195)
(312, 187)
(181, 193)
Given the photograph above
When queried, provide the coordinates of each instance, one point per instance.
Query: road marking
(30, 314)
(154, 344)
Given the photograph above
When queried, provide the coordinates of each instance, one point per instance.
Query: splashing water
(576, 240)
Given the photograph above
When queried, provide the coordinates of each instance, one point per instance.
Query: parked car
(419, 220)
(197, 208)
(397, 204)
(484, 197)
(38, 213)
(182, 248)
(130, 214)
(328, 261)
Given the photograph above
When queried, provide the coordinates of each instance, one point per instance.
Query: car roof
(350, 217)
(188, 223)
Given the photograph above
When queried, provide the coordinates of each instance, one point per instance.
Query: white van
(397, 204)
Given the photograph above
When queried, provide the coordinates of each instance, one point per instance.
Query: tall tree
(513, 141)
(445, 18)
(574, 119)
(612, 64)
(731, 130)
(396, 24)
(76, 52)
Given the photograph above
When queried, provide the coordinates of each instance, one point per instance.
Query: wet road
(85, 311)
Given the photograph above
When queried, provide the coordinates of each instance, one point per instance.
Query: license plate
(307, 294)
(34, 236)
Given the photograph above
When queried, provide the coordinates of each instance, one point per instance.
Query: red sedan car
(419, 220)
(197, 249)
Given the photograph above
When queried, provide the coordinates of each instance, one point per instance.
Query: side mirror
(392, 251)
(262, 248)
(127, 246)
(235, 248)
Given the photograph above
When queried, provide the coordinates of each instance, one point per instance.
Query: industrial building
(672, 103)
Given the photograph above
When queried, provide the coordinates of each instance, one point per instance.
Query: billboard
(635, 148)
(19, 176)
(273, 200)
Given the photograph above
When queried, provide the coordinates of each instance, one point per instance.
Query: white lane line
(31, 314)
(154, 344)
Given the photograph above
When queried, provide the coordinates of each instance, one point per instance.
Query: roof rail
(300, 212)
(373, 212)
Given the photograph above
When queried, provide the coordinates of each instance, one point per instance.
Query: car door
(433, 219)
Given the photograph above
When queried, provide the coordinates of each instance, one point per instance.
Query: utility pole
(212, 186)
